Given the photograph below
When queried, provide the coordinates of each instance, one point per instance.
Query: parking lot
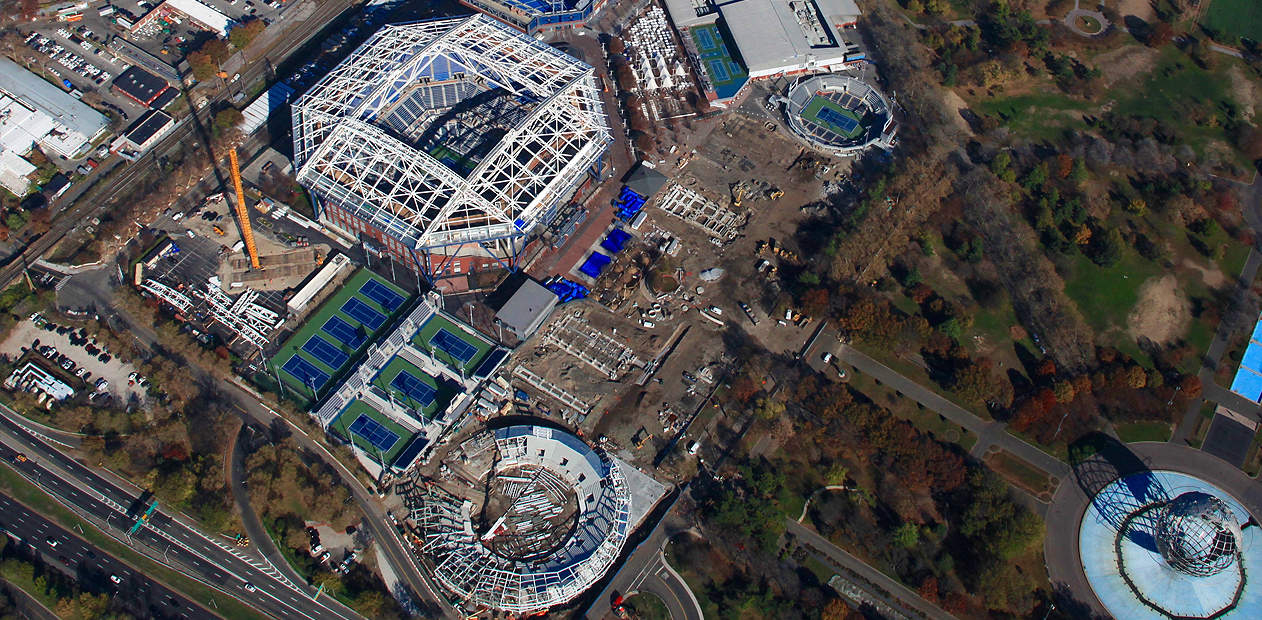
(102, 365)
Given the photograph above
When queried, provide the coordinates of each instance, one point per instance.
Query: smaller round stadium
(839, 114)
(529, 519)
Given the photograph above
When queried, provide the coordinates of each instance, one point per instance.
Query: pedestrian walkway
(989, 433)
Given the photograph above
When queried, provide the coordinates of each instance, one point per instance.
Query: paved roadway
(1251, 209)
(895, 594)
(989, 432)
(1069, 505)
(91, 567)
(178, 544)
(252, 410)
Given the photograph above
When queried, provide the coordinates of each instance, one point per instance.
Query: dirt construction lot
(115, 371)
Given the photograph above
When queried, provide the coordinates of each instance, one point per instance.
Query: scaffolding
(176, 299)
(691, 207)
(563, 397)
(574, 335)
(243, 316)
(539, 570)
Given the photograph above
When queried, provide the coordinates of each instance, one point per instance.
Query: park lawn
(903, 407)
(1175, 87)
(646, 606)
(22, 490)
(1131, 432)
(1040, 116)
(1106, 295)
(1020, 473)
(1235, 19)
(919, 375)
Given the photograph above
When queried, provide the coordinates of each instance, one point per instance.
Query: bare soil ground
(1162, 313)
(1125, 62)
(1210, 274)
(1245, 91)
(1139, 8)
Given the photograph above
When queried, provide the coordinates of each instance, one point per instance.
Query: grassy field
(1236, 19)
(1176, 88)
(313, 324)
(437, 322)
(359, 407)
(1143, 431)
(901, 406)
(646, 606)
(22, 490)
(1021, 473)
(1105, 295)
(1042, 116)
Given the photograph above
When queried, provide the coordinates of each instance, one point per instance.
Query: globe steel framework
(800, 93)
(481, 577)
(350, 159)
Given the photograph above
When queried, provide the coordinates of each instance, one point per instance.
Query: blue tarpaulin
(616, 240)
(594, 264)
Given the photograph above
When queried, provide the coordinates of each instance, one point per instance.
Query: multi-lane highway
(94, 569)
(171, 540)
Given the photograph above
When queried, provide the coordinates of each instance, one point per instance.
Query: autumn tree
(243, 33)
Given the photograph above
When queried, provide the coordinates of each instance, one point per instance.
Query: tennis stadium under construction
(449, 144)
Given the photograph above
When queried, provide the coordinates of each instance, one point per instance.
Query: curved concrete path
(1071, 20)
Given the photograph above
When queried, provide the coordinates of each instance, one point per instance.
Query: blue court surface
(1252, 358)
(379, 436)
(1257, 332)
(705, 41)
(841, 121)
(362, 312)
(344, 332)
(324, 351)
(413, 388)
(305, 372)
(453, 346)
(718, 71)
(381, 294)
(1247, 384)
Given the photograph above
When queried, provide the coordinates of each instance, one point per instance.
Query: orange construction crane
(243, 214)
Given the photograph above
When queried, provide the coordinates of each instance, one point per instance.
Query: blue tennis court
(705, 41)
(371, 430)
(837, 119)
(413, 388)
(718, 71)
(324, 351)
(381, 294)
(305, 372)
(364, 313)
(453, 345)
(1257, 332)
(344, 332)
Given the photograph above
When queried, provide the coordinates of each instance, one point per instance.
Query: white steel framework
(356, 132)
(482, 577)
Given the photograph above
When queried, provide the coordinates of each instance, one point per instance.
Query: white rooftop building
(776, 37)
(15, 173)
(32, 111)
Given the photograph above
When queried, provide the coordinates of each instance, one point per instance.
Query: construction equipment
(218, 231)
(737, 194)
(776, 194)
(243, 214)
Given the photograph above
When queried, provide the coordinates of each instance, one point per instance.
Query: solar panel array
(373, 432)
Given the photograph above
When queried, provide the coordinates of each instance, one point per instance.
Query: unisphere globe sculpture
(1198, 534)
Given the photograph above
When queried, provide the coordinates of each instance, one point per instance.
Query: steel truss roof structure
(350, 153)
(484, 578)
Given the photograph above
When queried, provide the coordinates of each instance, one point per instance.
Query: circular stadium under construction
(546, 519)
(839, 114)
(447, 144)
